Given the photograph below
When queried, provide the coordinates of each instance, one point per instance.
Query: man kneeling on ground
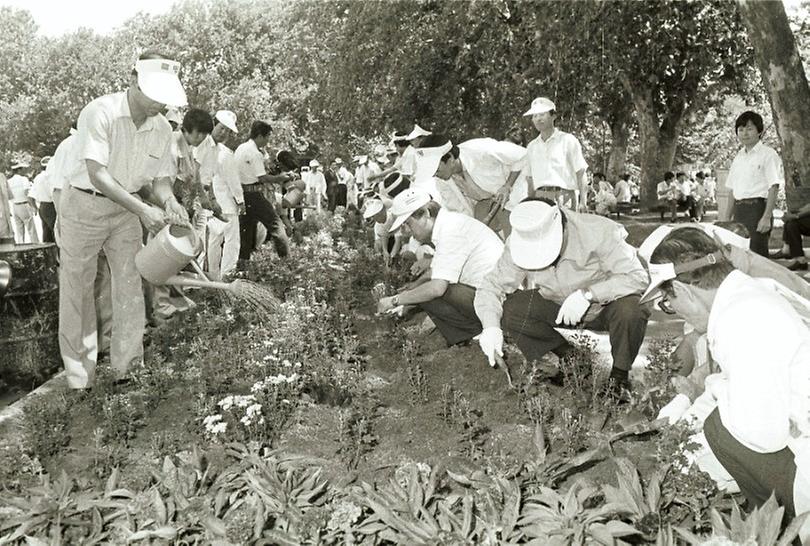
(564, 269)
(466, 250)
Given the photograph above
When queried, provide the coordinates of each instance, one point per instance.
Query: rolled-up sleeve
(94, 134)
(627, 274)
(504, 279)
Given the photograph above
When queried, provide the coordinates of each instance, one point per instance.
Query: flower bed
(329, 426)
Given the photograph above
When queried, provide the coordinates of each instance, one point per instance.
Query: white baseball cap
(227, 118)
(373, 206)
(417, 132)
(660, 273)
(537, 234)
(405, 204)
(428, 159)
(314, 163)
(159, 79)
(540, 105)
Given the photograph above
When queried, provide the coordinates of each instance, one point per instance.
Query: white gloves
(573, 309)
(491, 341)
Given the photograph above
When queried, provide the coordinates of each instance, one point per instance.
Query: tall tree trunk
(619, 122)
(781, 67)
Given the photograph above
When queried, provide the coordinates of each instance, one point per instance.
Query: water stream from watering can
(255, 297)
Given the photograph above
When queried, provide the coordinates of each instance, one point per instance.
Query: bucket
(167, 253)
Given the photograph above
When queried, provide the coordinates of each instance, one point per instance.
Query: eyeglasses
(664, 304)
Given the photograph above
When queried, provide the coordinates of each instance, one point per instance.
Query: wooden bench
(623, 207)
(683, 206)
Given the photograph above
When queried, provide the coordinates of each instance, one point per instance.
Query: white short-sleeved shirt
(19, 186)
(753, 172)
(65, 163)
(41, 190)
(488, 162)
(227, 189)
(466, 249)
(249, 162)
(407, 163)
(134, 156)
(623, 192)
(207, 156)
(556, 161)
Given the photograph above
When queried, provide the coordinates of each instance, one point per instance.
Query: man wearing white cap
(577, 270)
(556, 167)
(124, 146)
(344, 180)
(401, 152)
(483, 170)
(41, 192)
(316, 185)
(757, 408)
(386, 242)
(466, 250)
(23, 204)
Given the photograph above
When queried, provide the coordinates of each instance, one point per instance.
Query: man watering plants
(755, 412)
(466, 250)
(124, 144)
(563, 269)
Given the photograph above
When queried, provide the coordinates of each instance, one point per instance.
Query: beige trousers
(90, 224)
(24, 222)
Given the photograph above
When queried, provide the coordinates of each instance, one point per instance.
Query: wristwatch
(395, 300)
(588, 295)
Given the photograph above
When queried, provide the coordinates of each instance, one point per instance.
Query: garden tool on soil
(496, 208)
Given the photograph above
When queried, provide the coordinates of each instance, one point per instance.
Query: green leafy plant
(642, 505)
(46, 424)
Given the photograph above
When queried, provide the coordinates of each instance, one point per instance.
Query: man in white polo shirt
(466, 250)
(754, 178)
(483, 169)
(23, 205)
(124, 144)
(41, 192)
(253, 175)
(556, 167)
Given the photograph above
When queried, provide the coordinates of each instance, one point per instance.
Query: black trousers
(530, 320)
(758, 474)
(259, 209)
(792, 235)
(331, 197)
(341, 195)
(454, 314)
(47, 212)
(748, 212)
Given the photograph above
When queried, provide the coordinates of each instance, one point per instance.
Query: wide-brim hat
(314, 163)
(540, 105)
(228, 119)
(537, 234)
(428, 159)
(372, 208)
(159, 79)
(405, 204)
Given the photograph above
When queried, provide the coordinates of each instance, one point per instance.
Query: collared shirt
(65, 163)
(407, 162)
(19, 186)
(41, 190)
(687, 187)
(662, 190)
(595, 256)
(762, 345)
(623, 192)
(134, 156)
(753, 172)
(466, 249)
(489, 162)
(344, 176)
(249, 162)
(556, 161)
(207, 156)
(227, 189)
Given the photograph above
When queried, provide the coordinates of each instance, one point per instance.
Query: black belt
(94, 193)
(750, 200)
(551, 188)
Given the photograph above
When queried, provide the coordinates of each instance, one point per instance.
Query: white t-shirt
(488, 162)
(249, 163)
(19, 186)
(623, 192)
(466, 249)
(752, 173)
(41, 190)
(556, 161)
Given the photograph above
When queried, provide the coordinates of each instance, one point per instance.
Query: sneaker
(798, 266)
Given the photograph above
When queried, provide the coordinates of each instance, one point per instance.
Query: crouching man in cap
(755, 413)
(124, 149)
(564, 269)
(466, 250)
